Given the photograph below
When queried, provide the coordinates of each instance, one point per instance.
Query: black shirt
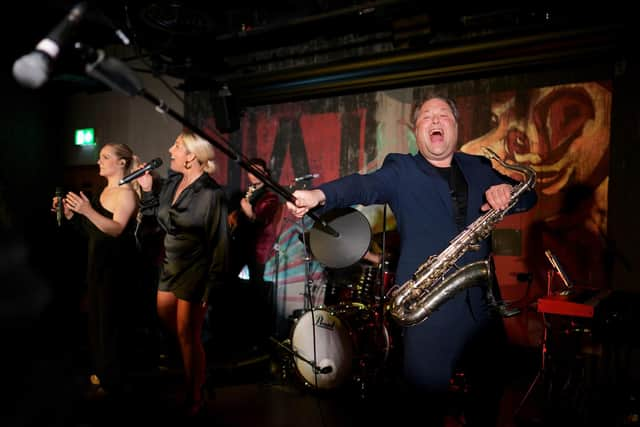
(458, 192)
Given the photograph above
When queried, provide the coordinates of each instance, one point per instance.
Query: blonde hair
(124, 152)
(202, 149)
(131, 161)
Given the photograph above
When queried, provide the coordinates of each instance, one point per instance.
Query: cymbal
(352, 242)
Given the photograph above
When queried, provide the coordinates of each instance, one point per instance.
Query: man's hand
(305, 200)
(146, 180)
(498, 197)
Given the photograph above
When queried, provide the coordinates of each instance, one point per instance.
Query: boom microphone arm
(124, 85)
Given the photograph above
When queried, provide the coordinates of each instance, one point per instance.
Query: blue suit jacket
(421, 202)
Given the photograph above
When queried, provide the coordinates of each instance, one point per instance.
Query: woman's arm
(124, 205)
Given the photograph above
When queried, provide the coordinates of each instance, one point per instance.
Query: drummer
(372, 258)
(355, 283)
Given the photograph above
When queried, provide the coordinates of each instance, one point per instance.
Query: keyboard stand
(541, 375)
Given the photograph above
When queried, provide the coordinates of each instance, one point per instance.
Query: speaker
(225, 111)
(506, 241)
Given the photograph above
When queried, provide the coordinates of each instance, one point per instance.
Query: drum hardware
(308, 296)
(366, 289)
(275, 313)
(351, 243)
(317, 369)
(344, 342)
(311, 364)
(332, 345)
(390, 244)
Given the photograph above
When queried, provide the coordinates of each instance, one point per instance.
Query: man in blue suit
(434, 195)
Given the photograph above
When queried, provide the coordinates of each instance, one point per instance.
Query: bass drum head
(332, 352)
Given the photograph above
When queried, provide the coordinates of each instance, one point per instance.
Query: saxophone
(428, 289)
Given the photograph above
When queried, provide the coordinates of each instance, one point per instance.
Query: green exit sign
(85, 137)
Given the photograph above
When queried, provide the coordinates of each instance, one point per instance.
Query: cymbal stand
(308, 304)
(380, 298)
(382, 270)
(286, 343)
(308, 292)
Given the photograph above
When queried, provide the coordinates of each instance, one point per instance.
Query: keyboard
(579, 303)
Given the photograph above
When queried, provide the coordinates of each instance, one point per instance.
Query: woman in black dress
(108, 221)
(192, 210)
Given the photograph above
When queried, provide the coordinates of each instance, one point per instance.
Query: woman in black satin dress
(192, 210)
(108, 221)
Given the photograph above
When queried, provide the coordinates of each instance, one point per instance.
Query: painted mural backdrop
(561, 131)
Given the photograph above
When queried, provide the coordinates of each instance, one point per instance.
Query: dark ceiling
(207, 43)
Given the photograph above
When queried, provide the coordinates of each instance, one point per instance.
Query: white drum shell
(323, 337)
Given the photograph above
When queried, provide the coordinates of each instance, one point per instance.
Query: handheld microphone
(32, 70)
(155, 163)
(59, 206)
(306, 177)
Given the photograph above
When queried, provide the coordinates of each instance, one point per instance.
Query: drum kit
(347, 340)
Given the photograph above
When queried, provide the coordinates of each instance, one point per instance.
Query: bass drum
(331, 344)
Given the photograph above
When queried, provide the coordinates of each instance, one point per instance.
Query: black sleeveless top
(111, 261)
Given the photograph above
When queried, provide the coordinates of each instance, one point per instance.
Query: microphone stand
(316, 369)
(119, 77)
(383, 264)
(275, 312)
(309, 306)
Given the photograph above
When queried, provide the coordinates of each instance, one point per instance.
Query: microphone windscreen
(32, 70)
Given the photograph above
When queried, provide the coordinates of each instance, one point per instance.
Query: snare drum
(330, 343)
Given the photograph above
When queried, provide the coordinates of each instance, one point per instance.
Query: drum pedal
(282, 363)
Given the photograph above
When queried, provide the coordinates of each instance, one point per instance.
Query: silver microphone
(306, 177)
(32, 70)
